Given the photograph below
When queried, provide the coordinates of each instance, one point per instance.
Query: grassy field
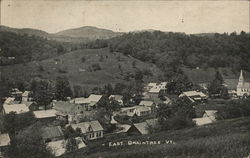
(227, 138)
(206, 75)
(80, 72)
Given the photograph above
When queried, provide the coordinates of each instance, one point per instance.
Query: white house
(194, 95)
(26, 96)
(208, 117)
(18, 108)
(91, 130)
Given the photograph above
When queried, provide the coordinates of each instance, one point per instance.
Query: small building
(58, 147)
(91, 130)
(143, 127)
(4, 143)
(17, 108)
(129, 111)
(209, 116)
(117, 98)
(67, 110)
(149, 104)
(45, 114)
(52, 133)
(243, 87)
(142, 110)
(88, 103)
(26, 96)
(194, 96)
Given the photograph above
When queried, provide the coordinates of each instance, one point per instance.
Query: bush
(83, 59)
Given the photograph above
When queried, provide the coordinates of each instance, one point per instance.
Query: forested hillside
(178, 49)
(16, 48)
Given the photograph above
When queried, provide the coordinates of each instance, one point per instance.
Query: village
(82, 116)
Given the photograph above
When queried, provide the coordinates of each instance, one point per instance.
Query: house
(129, 111)
(52, 133)
(18, 108)
(45, 114)
(243, 87)
(67, 110)
(209, 116)
(26, 96)
(4, 143)
(149, 104)
(91, 130)
(58, 147)
(142, 128)
(16, 93)
(142, 110)
(194, 96)
(117, 98)
(88, 103)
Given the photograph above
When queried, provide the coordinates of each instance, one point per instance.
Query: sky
(124, 16)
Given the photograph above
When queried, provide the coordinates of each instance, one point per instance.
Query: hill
(87, 68)
(89, 32)
(77, 35)
(227, 138)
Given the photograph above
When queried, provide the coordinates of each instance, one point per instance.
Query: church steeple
(241, 79)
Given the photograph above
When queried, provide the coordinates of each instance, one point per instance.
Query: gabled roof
(9, 100)
(211, 112)
(25, 93)
(81, 100)
(52, 132)
(142, 108)
(142, 127)
(94, 98)
(146, 103)
(88, 126)
(63, 106)
(154, 90)
(202, 121)
(18, 108)
(193, 93)
(45, 113)
(116, 97)
(4, 139)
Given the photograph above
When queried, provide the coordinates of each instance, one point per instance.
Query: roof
(4, 139)
(154, 90)
(18, 108)
(127, 108)
(211, 112)
(94, 98)
(25, 93)
(63, 106)
(152, 84)
(27, 103)
(202, 121)
(142, 127)
(59, 147)
(193, 93)
(81, 100)
(116, 97)
(152, 122)
(146, 103)
(142, 108)
(9, 100)
(45, 113)
(52, 132)
(85, 126)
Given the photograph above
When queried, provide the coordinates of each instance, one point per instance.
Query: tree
(63, 89)
(176, 116)
(43, 94)
(71, 145)
(216, 87)
(28, 143)
(10, 123)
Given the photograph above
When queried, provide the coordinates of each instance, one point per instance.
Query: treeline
(16, 48)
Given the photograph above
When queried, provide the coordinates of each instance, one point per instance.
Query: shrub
(96, 67)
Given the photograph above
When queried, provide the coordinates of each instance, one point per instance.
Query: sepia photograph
(124, 79)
